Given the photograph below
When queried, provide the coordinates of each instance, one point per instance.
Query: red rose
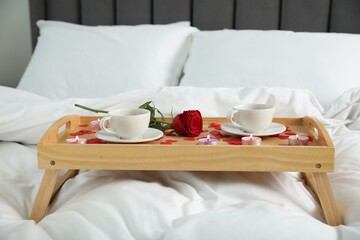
(188, 123)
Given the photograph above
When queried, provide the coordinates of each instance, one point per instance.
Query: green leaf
(154, 123)
(144, 105)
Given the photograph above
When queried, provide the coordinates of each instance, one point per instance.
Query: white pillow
(325, 63)
(85, 61)
(346, 109)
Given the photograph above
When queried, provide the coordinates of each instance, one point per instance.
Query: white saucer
(150, 135)
(274, 128)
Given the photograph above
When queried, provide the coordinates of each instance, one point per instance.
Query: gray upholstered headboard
(297, 15)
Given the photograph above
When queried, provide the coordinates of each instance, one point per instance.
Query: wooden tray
(183, 153)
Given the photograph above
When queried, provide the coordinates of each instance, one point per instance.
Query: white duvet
(176, 205)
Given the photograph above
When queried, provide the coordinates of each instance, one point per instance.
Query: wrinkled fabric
(99, 204)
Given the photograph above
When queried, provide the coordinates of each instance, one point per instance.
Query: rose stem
(90, 109)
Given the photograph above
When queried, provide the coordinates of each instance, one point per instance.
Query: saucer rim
(158, 133)
(259, 134)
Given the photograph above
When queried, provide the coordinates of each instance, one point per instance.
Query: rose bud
(188, 123)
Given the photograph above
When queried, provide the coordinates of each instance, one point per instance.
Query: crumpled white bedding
(175, 205)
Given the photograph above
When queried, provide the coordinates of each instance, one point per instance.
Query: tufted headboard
(296, 15)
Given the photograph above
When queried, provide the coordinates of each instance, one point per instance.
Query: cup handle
(230, 117)
(103, 123)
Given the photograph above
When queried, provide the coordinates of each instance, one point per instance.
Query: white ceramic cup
(126, 123)
(252, 117)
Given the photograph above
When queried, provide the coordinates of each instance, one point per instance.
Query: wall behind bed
(297, 15)
(15, 40)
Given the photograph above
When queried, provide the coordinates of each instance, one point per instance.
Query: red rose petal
(168, 141)
(76, 134)
(189, 139)
(87, 131)
(213, 125)
(290, 133)
(81, 132)
(217, 134)
(83, 125)
(282, 137)
(217, 126)
(169, 134)
(95, 141)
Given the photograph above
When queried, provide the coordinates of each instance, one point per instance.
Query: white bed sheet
(172, 205)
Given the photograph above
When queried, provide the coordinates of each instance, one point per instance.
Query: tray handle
(61, 128)
(318, 131)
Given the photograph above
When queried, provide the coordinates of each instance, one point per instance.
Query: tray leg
(319, 182)
(69, 174)
(44, 195)
(49, 187)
